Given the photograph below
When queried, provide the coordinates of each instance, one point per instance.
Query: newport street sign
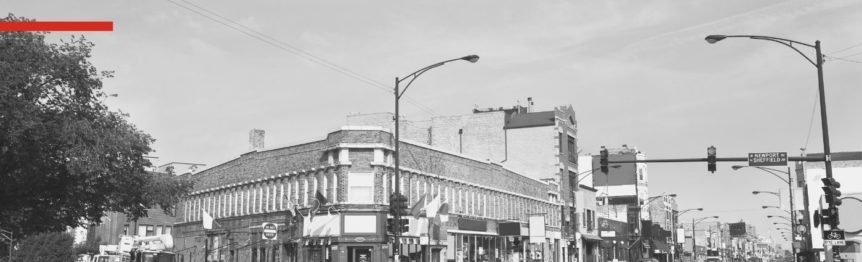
(767, 159)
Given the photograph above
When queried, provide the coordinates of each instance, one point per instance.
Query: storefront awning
(590, 237)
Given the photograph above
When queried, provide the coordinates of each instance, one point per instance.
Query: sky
(636, 73)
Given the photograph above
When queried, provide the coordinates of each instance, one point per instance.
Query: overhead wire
(811, 121)
(847, 48)
(218, 18)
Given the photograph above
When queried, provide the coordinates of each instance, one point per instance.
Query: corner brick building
(352, 168)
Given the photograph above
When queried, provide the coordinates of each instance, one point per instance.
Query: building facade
(623, 193)
(340, 187)
(538, 144)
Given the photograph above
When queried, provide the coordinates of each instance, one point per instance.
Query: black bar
(720, 159)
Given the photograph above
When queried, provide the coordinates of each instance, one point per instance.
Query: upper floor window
(360, 187)
(573, 155)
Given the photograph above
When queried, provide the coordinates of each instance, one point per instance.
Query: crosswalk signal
(831, 192)
(710, 159)
(603, 159)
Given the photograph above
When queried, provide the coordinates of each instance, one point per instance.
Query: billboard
(737, 229)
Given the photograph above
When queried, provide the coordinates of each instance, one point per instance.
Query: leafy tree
(64, 156)
(46, 247)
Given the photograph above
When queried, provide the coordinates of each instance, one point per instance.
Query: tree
(65, 158)
(46, 247)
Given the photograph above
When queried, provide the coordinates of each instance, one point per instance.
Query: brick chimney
(255, 139)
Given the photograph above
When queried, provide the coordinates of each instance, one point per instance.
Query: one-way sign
(767, 159)
(833, 237)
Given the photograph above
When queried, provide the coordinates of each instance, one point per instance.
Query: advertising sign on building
(737, 229)
(537, 228)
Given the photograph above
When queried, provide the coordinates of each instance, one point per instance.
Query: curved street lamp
(818, 63)
(777, 216)
(398, 94)
(675, 222)
(777, 207)
(789, 182)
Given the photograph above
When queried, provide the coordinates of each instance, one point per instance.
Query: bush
(46, 247)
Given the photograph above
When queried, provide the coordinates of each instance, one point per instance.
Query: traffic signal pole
(718, 159)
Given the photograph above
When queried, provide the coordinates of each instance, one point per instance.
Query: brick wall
(482, 135)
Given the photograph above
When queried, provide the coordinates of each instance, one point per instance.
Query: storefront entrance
(360, 254)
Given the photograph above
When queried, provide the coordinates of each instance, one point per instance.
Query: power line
(851, 55)
(215, 17)
(811, 121)
(846, 48)
(844, 59)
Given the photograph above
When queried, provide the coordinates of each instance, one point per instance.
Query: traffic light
(397, 204)
(405, 225)
(603, 159)
(829, 216)
(710, 159)
(831, 192)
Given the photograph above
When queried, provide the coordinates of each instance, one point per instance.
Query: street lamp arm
(414, 75)
(586, 174)
(772, 171)
(678, 214)
(783, 41)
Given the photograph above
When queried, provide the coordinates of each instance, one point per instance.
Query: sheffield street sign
(767, 159)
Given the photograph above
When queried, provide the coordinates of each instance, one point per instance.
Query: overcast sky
(636, 73)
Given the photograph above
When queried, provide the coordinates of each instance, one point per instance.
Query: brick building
(352, 169)
(538, 144)
(622, 192)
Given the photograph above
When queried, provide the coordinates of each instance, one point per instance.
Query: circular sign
(801, 229)
(270, 231)
(851, 208)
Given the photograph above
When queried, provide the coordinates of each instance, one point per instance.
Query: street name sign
(270, 231)
(833, 237)
(767, 159)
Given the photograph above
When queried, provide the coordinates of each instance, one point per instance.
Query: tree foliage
(64, 156)
(46, 247)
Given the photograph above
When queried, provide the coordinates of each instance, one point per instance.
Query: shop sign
(472, 224)
(510, 229)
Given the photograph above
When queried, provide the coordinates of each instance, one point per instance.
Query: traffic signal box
(390, 225)
(398, 208)
(710, 158)
(603, 159)
(829, 216)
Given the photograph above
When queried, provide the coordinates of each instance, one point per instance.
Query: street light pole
(693, 235)
(818, 63)
(396, 247)
(789, 181)
(673, 231)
